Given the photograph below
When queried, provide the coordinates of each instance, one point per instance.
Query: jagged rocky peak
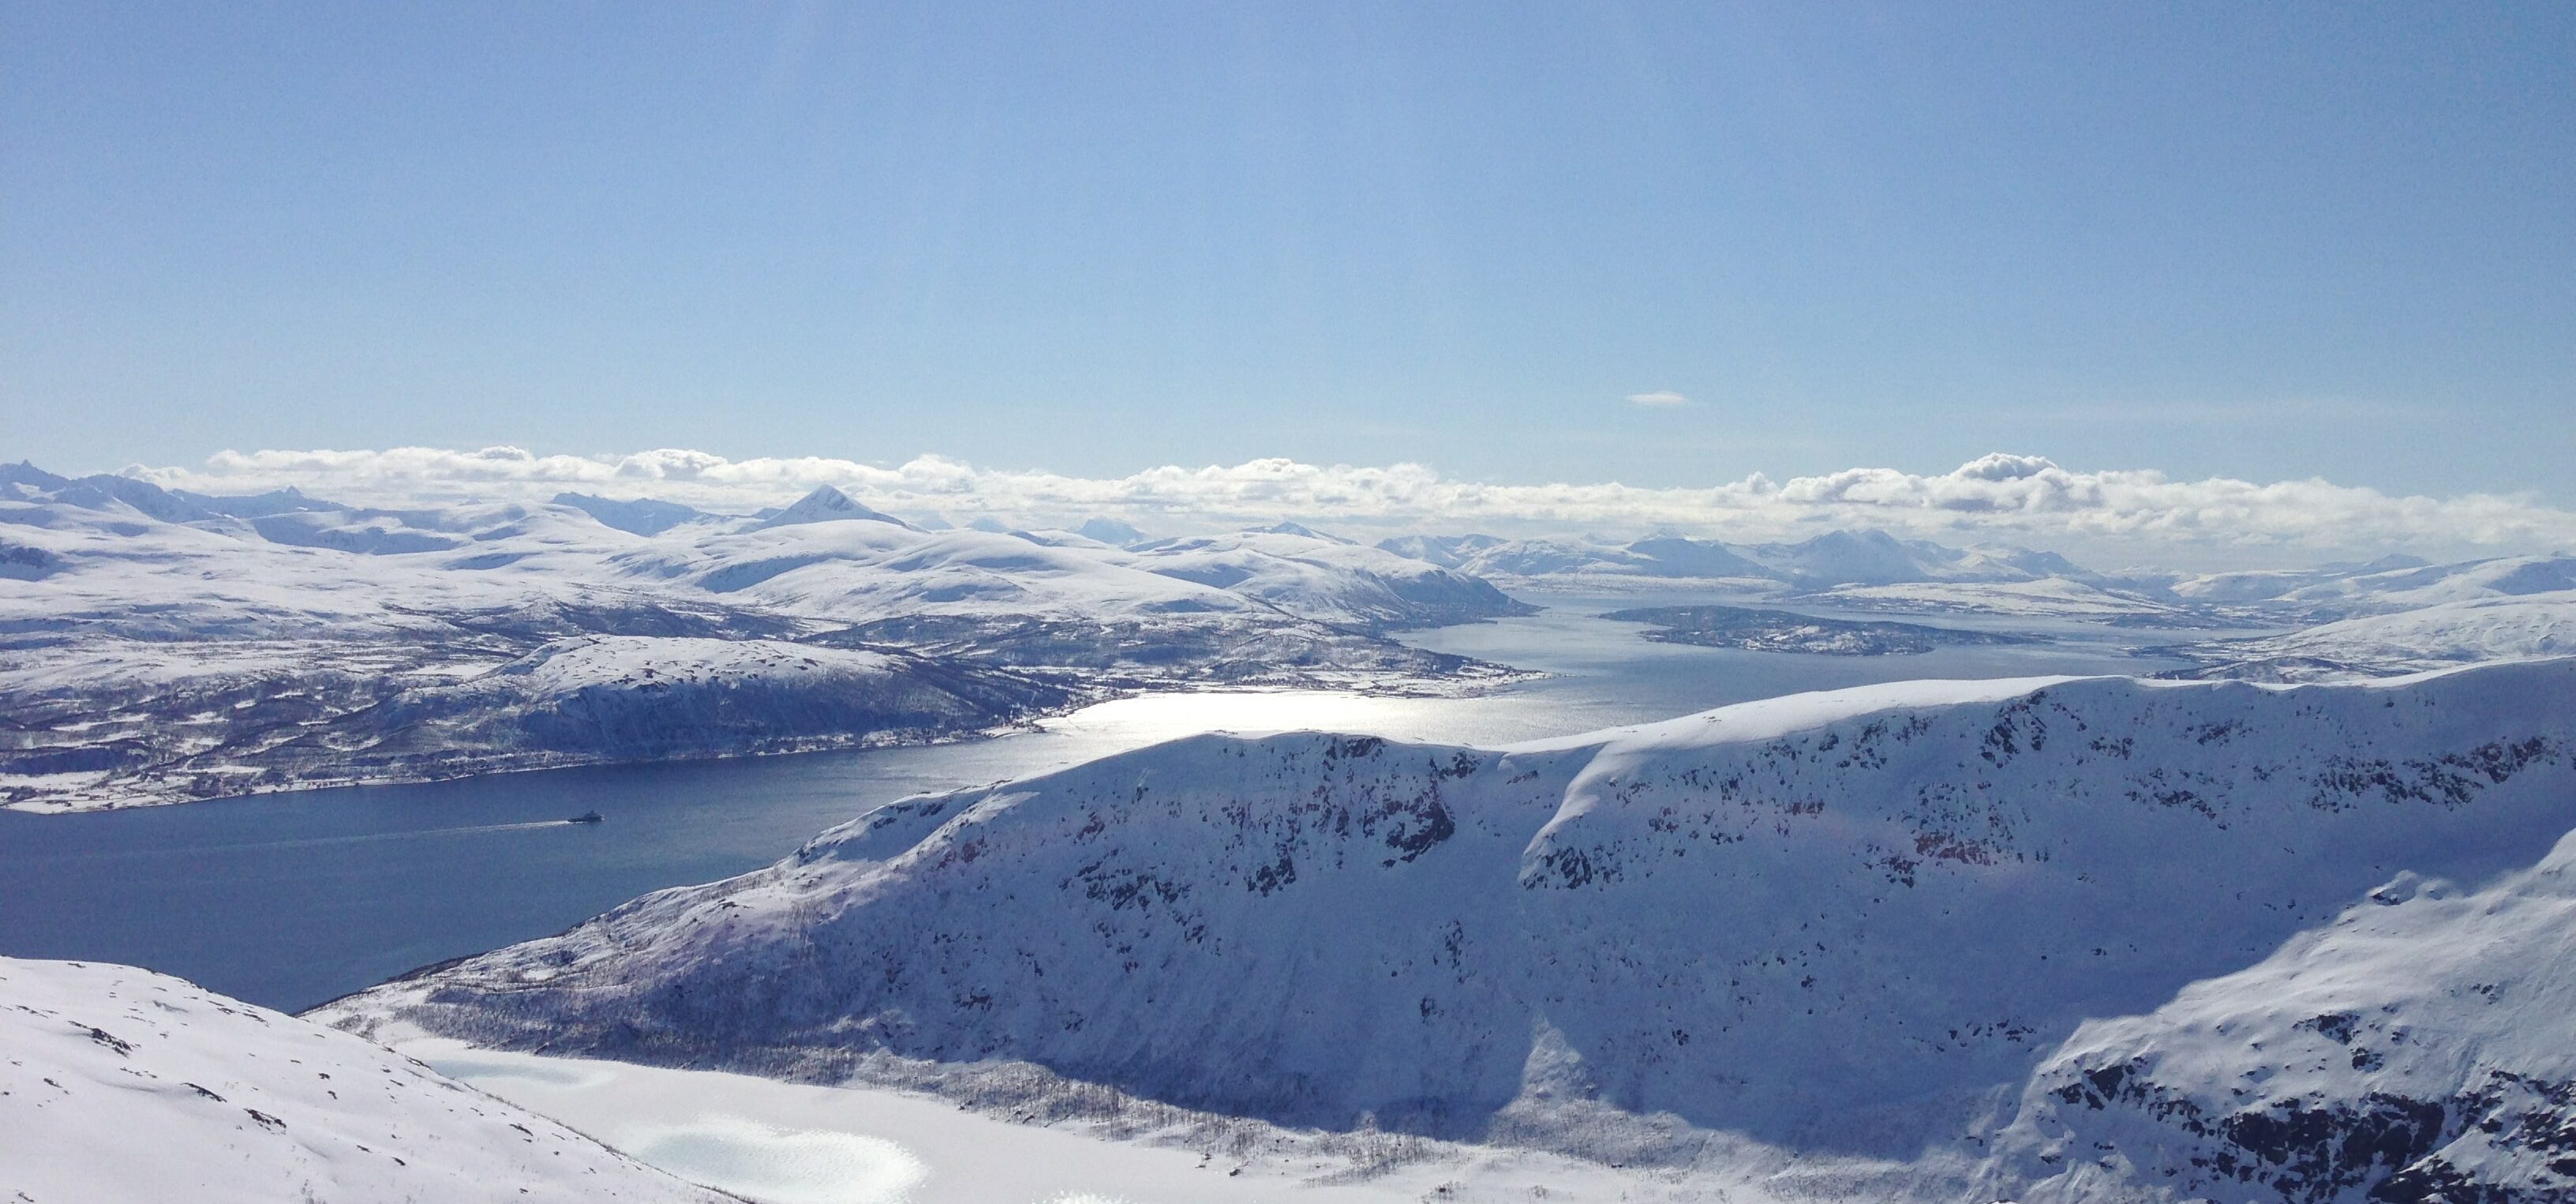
(826, 504)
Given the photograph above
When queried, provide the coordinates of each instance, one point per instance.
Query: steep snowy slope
(2420, 1047)
(121, 1086)
(1847, 923)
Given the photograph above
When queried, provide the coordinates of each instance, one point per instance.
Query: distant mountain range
(161, 645)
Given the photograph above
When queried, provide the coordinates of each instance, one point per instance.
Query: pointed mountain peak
(827, 504)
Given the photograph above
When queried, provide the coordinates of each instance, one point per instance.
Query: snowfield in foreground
(121, 1086)
(1870, 942)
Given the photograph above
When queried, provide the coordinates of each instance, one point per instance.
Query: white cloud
(2115, 516)
(1661, 398)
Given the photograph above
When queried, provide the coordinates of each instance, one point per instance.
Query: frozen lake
(291, 899)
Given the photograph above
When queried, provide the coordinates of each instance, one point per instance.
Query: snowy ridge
(121, 1086)
(1843, 924)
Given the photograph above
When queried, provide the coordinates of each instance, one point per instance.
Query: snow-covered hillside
(156, 646)
(121, 1086)
(2407, 641)
(2386, 586)
(2422, 1046)
(1836, 925)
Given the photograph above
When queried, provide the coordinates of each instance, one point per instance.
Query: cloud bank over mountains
(2121, 514)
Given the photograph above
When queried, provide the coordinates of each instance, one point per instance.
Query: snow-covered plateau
(2090, 938)
(161, 646)
(121, 1086)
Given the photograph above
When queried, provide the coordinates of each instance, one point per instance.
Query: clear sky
(2268, 241)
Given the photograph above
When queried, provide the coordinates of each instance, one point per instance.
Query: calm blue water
(291, 899)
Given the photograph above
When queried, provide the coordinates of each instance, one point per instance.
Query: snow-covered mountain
(1323, 578)
(121, 1086)
(826, 504)
(1861, 924)
(157, 647)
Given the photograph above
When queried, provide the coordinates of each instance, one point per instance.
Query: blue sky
(2268, 242)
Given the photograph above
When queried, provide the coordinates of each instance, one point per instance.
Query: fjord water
(290, 899)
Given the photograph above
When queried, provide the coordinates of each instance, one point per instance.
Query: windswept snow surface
(121, 1086)
(1835, 935)
(156, 647)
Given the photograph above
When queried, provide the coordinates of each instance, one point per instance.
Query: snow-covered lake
(290, 899)
(794, 1143)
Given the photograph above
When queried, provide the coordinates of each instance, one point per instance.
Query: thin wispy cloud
(1659, 399)
(2125, 515)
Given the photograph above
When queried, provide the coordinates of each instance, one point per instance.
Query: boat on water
(586, 817)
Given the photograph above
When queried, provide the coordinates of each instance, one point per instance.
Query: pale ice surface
(791, 1143)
